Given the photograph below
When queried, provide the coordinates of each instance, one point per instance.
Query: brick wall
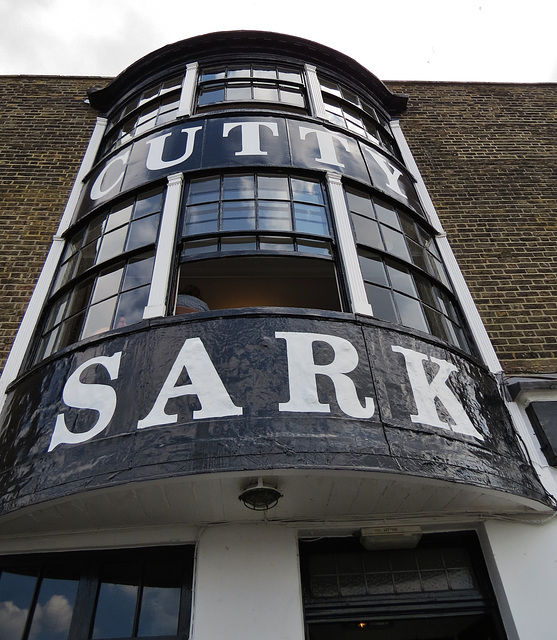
(487, 153)
(44, 130)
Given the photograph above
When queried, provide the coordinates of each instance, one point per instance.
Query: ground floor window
(436, 591)
(82, 596)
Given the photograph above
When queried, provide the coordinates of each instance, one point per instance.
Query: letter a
(426, 392)
(205, 384)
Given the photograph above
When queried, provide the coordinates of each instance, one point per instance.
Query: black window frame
(88, 566)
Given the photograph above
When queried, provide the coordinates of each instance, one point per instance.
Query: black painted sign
(245, 141)
(250, 392)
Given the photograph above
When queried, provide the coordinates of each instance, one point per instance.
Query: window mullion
(347, 248)
(314, 92)
(156, 305)
(187, 95)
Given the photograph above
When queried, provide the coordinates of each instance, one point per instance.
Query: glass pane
(407, 581)
(324, 586)
(289, 76)
(212, 74)
(295, 98)
(99, 318)
(314, 246)
(147, 203)
(373, 270)
(116, 603)
(306, 191)
(107, 285)
(69, 331)
(238, 215)
(86, 258)
(238, 93)
(367, 232)
(330, 87)
(79, 297)
(460, 579)
(54, 610)
(273, 187)
(352, 585)
(438, 324)
(131, 306)
(411, 313)
(386, 214)
(57, 312)
(360, 203)
(264, 72)
(381, 302)
(211, 96)
(202, 218)
(275, 216)
(206, 190)
(200, 246)
(238, 243)
(395, 244)
(269, 94)
(94, 229)
(16, 595)
(119, 216)
(142, 232)
(409, 227)
(160, 602)
(138, 272)
(238, 187)
(112, 244)
(311, 219)
(401, 280)
(276, 244)
(434, 581)
(380, 583)
(238, 72)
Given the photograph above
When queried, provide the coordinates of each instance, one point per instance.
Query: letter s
(99, 397)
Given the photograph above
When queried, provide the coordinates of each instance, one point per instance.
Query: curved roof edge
(243, 42)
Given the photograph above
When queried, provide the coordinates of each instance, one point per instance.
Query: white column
(40, 293)
(459, 283)
(247, 584)
(156, 305)
(347, 247)
(314, 92)
(185, 108)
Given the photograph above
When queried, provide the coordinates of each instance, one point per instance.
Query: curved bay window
(104, 277)
(257, 83)
(156, 105)
(346, 109)
(259, 240)
(404, 277)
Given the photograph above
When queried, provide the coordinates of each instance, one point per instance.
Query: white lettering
(425, 393)
(251, 136)
(326, 144)
(391, 172)
(154, 160)
(303, 371)
(99, 397)
(205, 384)
(96, 190)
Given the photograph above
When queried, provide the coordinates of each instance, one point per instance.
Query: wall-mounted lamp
(260, 496)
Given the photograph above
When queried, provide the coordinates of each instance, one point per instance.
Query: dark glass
(147, 203)
(381, 302)
(131, 306)
(411, 313)
(359, 203)
(238, 243)
(160, 601)
(373, 270)
(395, 243)
(401, 279)
(200, 246)
(16, 596)
(116, 603)
(142, 232)
(386, 214)
(53, 612)
(314, 246)
(367, 232)
(211, 95)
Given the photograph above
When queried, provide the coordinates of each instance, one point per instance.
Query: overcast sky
(486, 40)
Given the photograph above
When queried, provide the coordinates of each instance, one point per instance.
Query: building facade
(255, 391)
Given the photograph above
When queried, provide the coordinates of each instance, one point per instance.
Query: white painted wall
(522, 559)
(247, 584)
